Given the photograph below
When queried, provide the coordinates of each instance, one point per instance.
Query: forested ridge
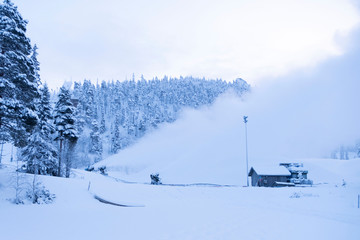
(112, 115)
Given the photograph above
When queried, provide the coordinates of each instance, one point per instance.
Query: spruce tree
(96, 143)
(18, 80)
(65, 128)
(40, 154)
(115, 139)
(45, 117)
(102, 123)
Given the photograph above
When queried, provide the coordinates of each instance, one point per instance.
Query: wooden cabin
(273, 176)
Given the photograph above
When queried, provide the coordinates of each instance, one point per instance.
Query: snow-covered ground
(327, 210)
(205, 146)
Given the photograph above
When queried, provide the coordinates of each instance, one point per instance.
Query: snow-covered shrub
(41, 195)
(17, 200)
(296, 195)
(29, 190)
(155, 179)
(300, 194)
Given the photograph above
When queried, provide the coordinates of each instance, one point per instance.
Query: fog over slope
(312, 111)
(303, 115)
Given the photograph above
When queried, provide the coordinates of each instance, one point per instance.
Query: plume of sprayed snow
(286, 121)
(306, 114)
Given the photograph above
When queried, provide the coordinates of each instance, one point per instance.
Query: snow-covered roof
(292, 164)
(297, 169)
(270, 170)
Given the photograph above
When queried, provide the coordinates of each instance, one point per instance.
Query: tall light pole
(246, 146)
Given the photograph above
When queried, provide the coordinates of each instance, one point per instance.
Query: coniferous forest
(111, 116)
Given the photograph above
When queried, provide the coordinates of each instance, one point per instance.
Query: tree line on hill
(112, 116)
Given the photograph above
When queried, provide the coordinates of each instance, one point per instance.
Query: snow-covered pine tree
(40, 153)
(102, 123)
(45, 117)
(88, 102)
(18, 80)
(79, 112)
(115, 139)
(96, 143)
(36, 64)
(65, 128)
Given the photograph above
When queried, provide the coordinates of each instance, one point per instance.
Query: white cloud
(251, 39)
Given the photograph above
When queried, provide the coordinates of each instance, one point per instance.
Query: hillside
(114, 115)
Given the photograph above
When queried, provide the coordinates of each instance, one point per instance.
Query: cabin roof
(291, 164)
(298, 169)
(270, 170)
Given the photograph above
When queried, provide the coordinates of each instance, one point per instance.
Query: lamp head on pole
(245, 119)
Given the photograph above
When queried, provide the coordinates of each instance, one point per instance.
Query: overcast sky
(253, 39)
